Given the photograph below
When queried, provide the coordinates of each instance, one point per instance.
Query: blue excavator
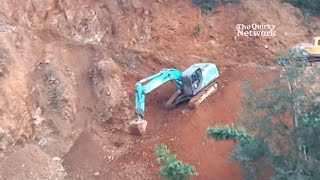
(193, 85)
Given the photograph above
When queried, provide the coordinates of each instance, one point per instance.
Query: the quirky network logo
(250, 30)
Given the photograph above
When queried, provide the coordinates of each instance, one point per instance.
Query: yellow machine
(310, 51)
(313, 50)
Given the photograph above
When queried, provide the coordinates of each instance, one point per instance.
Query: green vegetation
(170, 167)
(196, 30)
(55, 90)
(297, 56)
(281, 54)
(308, 18)
(310, 6)
(226, 132)
(284, 115)
(208, 5)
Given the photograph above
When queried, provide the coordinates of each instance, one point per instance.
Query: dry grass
(54, 88)
(3, 63)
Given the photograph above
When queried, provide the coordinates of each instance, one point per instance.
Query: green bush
(226, 132)
(56, 92)
(170, 167)
(208, 5)
(196, 30)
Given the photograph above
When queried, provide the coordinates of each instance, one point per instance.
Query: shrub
(226, 132)
(55, 90)
(170, 167)
(196, 30)
(208, 5)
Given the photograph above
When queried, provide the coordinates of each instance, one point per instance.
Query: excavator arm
(147, 85)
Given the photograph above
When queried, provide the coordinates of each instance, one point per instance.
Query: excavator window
(193, 78)
(196, 78)
(199, 75)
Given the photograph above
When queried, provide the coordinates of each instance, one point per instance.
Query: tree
(284, 116)
(208, 5)
(170, 167)
(312, 6)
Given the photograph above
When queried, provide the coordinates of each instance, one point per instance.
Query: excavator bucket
(138, 128)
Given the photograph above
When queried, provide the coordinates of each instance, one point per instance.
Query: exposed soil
(68, 71)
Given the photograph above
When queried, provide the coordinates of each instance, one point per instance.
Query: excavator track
(170, 104)
(176, 99)
(314, 60)
(200, 97)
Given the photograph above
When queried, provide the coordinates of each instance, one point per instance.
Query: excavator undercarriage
(193, 101)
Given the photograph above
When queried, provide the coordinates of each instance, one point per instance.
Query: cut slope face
(164, 29)
(68, 70)
(31, 162)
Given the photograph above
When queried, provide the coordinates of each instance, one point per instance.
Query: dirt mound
(31, 162)
(85, 158)
(93, 154)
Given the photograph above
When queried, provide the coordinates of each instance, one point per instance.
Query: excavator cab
(198, 76)
(193, 82)
(196, 80)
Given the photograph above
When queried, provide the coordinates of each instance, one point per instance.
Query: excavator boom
(144, 87)
(147, 85)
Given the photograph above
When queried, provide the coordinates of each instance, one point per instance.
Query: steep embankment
(68, 70)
